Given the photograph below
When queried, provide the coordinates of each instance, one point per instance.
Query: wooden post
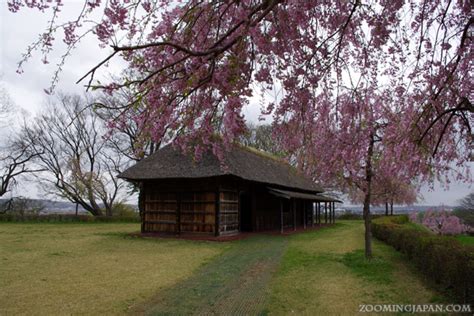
(218, 212)
(330, 213)
(141, 206)
(305, 205)
(325, 212)
(294, 214)
(334, 212)
(239, 208)
(281, 215)
(319, 213)
(312, 214)
(178, 213)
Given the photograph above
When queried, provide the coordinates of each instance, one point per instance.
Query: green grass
(325, 272)
(466, 240)
(51, 269)
(234, 283)
(97, 269)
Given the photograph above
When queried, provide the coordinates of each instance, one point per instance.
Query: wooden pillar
(319, 213)
(294, 214)
(178, 213)
(281, 215)
(218, 212)
(141, 206)
(325, 212)
(331, 209)
(305, 205)
(334, 212)
(239, 208)
(330, 212)
(312, 214)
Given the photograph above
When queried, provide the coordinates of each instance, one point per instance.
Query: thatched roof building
(248, 191)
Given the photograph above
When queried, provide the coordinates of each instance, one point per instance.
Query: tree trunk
(367, 222)
(386, 208)
(391, 207)
(368, 192)
(108, 210)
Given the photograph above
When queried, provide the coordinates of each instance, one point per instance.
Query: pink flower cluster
(441, 222)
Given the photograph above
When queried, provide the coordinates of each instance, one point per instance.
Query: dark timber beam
(325, 212)
(319, 213)
(281, 216)
(294, 214)
(334, 212)
(141, 206)
(305, 205)
(218, 212)
(178, 213)
(330, 213)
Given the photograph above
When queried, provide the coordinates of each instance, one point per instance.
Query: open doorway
(245, 212)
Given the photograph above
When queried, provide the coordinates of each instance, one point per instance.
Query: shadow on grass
(234, 283)
(376, 269)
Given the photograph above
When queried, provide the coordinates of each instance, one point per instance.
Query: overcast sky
(19, 30)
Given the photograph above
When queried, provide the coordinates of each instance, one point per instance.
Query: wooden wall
(229, 212)
(212, 206)
(189, 206)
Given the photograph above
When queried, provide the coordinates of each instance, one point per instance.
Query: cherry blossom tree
(441, 222)
(379, 87)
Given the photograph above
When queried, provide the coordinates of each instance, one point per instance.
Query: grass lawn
(96, 269)
(324, 272)
(466, 240)
(89, 268)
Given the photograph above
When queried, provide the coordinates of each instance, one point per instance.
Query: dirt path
(235, 283)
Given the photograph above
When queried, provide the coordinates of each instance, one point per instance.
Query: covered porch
(303, 209)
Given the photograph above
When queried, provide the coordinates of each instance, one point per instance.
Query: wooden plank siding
(178, 206)
(229, 212)
(214, 206)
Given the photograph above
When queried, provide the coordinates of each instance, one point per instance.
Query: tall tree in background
(395, 74)
(69, 144)
(15, 156)
(128, 134)
(465, 209)
(261, 137)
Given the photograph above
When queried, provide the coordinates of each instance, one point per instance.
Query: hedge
(442, 259)
(67, 218)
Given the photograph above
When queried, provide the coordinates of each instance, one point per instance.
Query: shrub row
(67, 218)
(443, 260)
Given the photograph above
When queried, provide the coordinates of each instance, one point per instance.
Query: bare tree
(6, 105)
(15, 160)
(71, 144)
(127, 137)
(15, 156)
(465, 209)
(261, 137)
(21, 206)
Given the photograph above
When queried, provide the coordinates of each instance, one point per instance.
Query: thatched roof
(243, 162)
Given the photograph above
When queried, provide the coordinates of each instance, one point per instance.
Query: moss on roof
(244, 162)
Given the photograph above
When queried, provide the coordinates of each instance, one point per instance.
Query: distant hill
(59, 207)
(396, 209)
